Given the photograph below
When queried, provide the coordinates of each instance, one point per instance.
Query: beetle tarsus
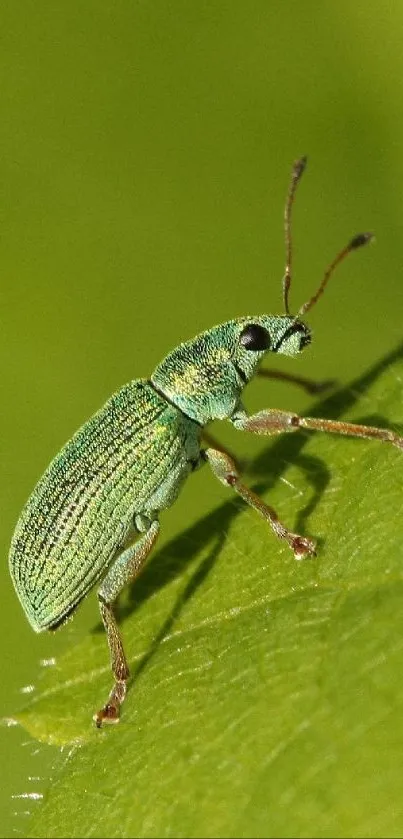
(108, 715)
(303, 547)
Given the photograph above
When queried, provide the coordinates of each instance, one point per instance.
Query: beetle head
(205, 377)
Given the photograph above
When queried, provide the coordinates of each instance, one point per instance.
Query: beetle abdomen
(80, 511)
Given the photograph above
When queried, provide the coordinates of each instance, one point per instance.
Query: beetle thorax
(199, 377)
(205, 377)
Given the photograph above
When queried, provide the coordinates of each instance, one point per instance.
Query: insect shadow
(169, 562)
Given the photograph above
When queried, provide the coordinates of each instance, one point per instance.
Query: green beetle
(129, 461)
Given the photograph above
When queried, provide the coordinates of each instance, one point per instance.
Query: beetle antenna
(357, 242)
(297, 171)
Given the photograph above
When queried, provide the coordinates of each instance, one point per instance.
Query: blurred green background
(145, 156)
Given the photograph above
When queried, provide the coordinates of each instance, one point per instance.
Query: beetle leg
(308, 385)
(225, 470)
(124, 569)
(278, 422)
(212, 443)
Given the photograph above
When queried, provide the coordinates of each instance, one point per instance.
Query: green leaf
(267, 694)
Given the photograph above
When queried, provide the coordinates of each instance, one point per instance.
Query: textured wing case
(82, 507)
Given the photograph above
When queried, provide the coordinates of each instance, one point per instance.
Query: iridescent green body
(128, 462)
(125, 465)
(122, 467)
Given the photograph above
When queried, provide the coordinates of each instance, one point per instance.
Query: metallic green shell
(129, 458)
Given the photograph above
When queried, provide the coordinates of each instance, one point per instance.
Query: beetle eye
(255, 337)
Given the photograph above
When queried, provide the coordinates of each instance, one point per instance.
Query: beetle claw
(109, 715)
(303, 547)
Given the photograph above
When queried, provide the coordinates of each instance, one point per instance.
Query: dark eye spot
(255, 337)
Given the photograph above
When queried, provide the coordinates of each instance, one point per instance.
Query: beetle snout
(305, 338)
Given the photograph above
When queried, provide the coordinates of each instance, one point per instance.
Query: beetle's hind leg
(124, 569)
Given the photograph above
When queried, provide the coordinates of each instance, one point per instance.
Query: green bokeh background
(145, 155)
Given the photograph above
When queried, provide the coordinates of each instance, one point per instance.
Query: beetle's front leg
(278, 422)
(310, 386)
(124, 569)
(225, 470)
